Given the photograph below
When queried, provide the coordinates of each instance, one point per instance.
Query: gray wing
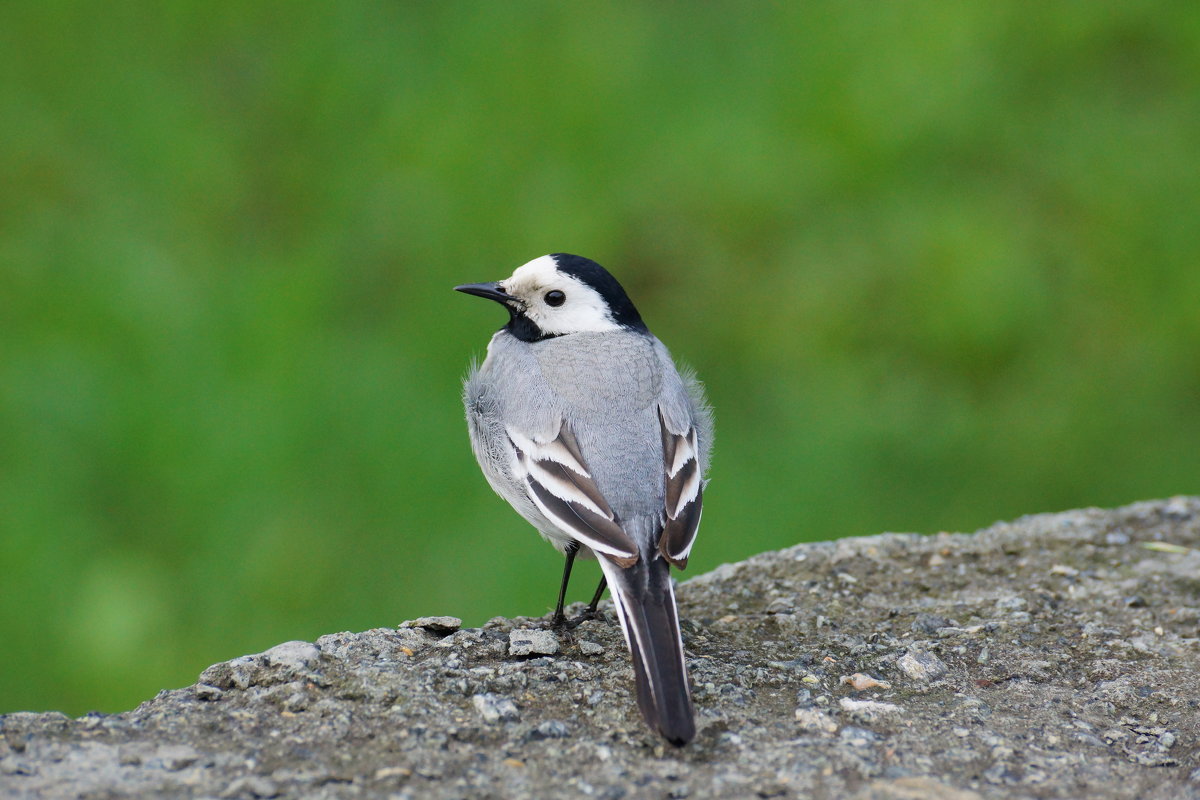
(685, 422)
(531, 456)
(557, 480)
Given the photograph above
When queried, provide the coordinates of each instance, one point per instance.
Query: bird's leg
(559, 618)
(590, 611)
(596, 597)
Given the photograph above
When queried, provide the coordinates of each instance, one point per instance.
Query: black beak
(492, 291)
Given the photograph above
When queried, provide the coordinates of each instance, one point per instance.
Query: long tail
(645, 603)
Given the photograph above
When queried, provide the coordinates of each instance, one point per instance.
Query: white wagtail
(580, 420)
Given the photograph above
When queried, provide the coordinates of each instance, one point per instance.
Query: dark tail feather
(645, 603)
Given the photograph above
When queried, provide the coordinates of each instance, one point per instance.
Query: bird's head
(560, 294)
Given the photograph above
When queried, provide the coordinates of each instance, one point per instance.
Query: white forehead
(542, 271)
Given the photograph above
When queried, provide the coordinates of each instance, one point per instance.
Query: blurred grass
(936, 262)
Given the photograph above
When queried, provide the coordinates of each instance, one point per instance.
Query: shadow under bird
(581, 421)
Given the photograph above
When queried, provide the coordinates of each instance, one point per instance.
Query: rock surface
(1057, 656)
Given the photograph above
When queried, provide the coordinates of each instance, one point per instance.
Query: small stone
(128, 757)
(1011, 603)
(294, 702)
(869, 710)
(1064, 570)
(590, 648)
(208, 693)
(1177, 508)
(781, 605)
(858, 737)
(931, 623)
(550, 729)
(495, 708)
(251, 786)
(11, 765)
(439, 625)
(862, 682)
(811, 719)
(392, 772)
(1089, 739)
(999, 773)
(1153, 759)
(238, 673)
(976, 709)
(526, 642)
(293, 655)
(921, 666)
(175, 757)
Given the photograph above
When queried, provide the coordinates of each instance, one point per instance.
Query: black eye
(555, 298)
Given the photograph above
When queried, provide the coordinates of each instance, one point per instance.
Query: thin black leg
(596, 597)
(559, 618)
(590, 611)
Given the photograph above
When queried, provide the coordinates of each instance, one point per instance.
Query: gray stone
(293, 655)
(207, 692)
(529, 642)
(438, 625)
(1014, 667)
(251, 786)
(1011, 604)
(869, 710)
(494, 708)
(930, 623)
(921, 666)
(175, 757)
(550, 729)
(591, 648)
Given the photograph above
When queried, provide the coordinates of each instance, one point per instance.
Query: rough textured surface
(1055, 656)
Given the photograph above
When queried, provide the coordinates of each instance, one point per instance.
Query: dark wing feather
(683, 496)
(557, 480)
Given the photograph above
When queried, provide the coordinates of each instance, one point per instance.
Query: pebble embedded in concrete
(532, 642)
(921, 666)
(495, 708)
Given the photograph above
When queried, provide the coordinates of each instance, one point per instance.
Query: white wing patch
(556, 479)
(683, 501)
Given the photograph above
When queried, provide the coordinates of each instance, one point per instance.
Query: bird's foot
(589, 613)
(561, 622)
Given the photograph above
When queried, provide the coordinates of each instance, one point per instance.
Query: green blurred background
(935, 261)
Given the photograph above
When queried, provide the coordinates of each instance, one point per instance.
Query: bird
(580, 419)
